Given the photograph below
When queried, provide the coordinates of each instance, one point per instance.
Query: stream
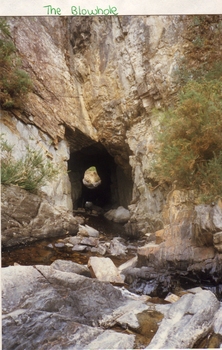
(48, 250)
(45, 252)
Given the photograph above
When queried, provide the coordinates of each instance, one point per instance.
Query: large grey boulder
(187, 321)
(85, 230)
(45, 308)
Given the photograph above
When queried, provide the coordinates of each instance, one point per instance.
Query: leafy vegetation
(14, 82)
(190, 139)
(202, 55)
(92, 168)
(190, 132)
(30, 172)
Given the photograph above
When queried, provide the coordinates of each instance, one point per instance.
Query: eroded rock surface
(27, 217)
(44, 307)
(92, 88)
(51, 307)
(187, 320)
(186, 246)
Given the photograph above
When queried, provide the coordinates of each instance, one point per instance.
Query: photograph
(111, 180)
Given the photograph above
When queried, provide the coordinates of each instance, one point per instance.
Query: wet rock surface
(70, 266)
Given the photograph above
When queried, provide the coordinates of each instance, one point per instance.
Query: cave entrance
(106, 186)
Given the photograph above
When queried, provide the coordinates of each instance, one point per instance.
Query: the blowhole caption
(79, 11)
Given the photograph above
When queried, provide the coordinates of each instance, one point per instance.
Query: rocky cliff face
(96, 81)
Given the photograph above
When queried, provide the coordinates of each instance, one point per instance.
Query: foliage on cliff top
(190, 139)
(190, 134)
(202, 53)
(30, 172)
(14, 81)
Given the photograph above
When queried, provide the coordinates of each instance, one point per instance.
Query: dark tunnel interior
(115, 188)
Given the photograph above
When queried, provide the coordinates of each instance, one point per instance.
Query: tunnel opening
(114, 187)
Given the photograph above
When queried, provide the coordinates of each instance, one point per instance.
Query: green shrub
(14, 82)
(190, 139)
(30, 172)
(184, 73)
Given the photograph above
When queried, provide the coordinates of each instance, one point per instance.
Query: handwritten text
(79, 11)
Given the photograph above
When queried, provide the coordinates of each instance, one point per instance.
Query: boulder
(79, 248)
(45, 308)
(91, 179)
(90, 241)
(70, 266)
(104, 270)
(187, 320)
(101, 249)
(73, 240)
(129, 263)
(85, 230)
(27, 217)
(172, 298)
(119, 215)
(117, 248)
(218, 322)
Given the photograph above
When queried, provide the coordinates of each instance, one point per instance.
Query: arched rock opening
(115, 188)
